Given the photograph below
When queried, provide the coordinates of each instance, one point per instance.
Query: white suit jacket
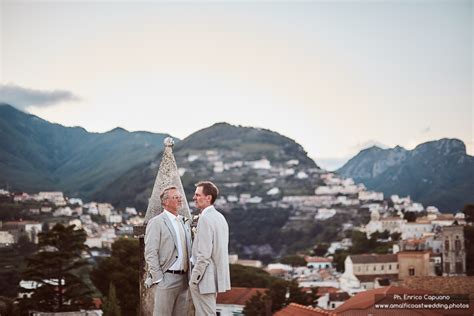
(161, 245)
(210, 253)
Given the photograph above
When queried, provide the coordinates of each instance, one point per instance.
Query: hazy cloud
(426, 130)
(361, 146)
(22, 98)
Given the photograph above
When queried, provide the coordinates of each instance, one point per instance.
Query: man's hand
(148, 283)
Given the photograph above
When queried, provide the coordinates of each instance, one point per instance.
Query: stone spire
(167, 176)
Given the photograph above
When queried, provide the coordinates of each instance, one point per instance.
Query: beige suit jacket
(161, 245)
(210, 253)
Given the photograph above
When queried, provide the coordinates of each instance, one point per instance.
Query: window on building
(333, 305)
(381, 267)
(446, 268)
(398, 266)
(390, 267)
(446, 245)
(457, 245)
(459, 267)
(411, 271)
(375, 268)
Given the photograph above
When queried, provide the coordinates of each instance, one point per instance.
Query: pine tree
(55, 269)
(111, 306)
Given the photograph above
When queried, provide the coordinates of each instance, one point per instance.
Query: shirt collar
(171, 216)
(207, 208)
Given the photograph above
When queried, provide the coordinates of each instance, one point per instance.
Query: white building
(6, 238)
(362, 271)
(259, 164)
(131, 211)
(324, 213)
(56, 198)
(77, 201)
(273, 191)
(370, 196)
(63, 211)
(416, 230)
(115, 218)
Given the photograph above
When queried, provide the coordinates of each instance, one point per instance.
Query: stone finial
(169, 141)
(168, 175)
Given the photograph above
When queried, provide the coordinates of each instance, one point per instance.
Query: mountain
(240, 159)
(38, 155)
(438, 173)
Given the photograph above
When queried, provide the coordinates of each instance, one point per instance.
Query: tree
(242, 276)
(120, 268)
(468, 210)
(111, 306)
(410, 216)
(55, 269)
(321, 249)
(257, 305)
(294, 261)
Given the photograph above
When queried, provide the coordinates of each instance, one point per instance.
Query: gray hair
(164, 193)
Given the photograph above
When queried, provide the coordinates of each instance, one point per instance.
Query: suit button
(176, 257)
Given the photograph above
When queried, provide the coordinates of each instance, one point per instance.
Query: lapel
(171, 229)
(187, 233)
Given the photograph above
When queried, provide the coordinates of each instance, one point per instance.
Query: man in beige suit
(167, 253)
(210, 274)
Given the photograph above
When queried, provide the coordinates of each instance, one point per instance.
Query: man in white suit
(167, 253)
(210, 274)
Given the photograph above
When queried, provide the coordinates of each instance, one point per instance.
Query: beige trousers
(205, 304)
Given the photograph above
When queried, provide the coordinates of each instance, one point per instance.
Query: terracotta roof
(366, 300)
(238, 295)
(372, 277)
(339, 297)
(442, 285)
(413, 253)
(300, 310)
(317, 259)
(374, 258)
(326, 289)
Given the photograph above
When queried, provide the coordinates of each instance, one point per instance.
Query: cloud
(426, 130)
(361, 146)
(22, 98)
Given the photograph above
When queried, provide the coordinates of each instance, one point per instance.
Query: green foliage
(111, 306)
(257, 305)
(410, 216)
(120, 268)
(280, 294)
(395, 236)
(361, 244)
(321, 249)
(38, 155)
(294, 261)
(242, 276)
(56, 267)
(340, 256)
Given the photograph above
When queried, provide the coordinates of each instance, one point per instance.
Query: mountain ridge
(438, 172)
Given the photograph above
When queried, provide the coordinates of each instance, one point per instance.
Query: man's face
(173, 202)
(202, 201)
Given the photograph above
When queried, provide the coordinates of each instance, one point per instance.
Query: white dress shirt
(178, 265)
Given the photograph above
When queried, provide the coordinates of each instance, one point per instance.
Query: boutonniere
(185, 219)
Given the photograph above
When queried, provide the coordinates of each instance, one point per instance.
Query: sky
(336, 76)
